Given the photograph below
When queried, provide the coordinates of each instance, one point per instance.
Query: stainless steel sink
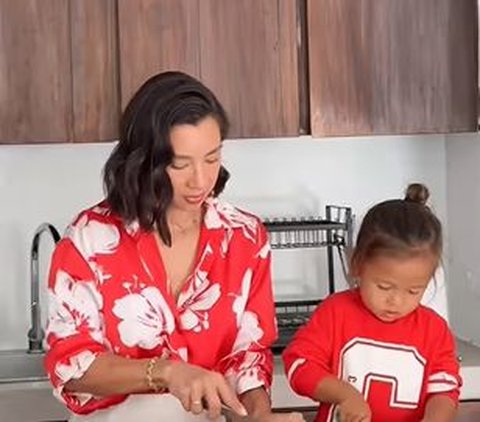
(20, 366)
(25, 393)
(30, 402)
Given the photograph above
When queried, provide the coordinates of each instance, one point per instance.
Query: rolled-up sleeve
(75, 328)
(444, 377)
(250, 365)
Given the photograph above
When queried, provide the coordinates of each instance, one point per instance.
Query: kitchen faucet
(36, 334)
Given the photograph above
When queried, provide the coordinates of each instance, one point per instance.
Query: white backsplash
(281, 177)
(463, 200)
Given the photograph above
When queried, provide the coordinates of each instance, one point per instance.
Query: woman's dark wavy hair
(404, 227)
(135, 179)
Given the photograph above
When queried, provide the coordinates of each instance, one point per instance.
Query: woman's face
(195, 164)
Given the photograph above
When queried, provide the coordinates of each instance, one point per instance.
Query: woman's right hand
(200, 390)
(354, 408)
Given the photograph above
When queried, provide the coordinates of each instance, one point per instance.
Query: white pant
(144, 408)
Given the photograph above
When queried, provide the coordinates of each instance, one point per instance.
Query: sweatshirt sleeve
(444, 377)
(308, 358)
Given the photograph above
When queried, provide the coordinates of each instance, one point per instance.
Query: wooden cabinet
(245, 51)
(58, 71)
(393, 66)
(95, 84)
(35, 71)
(249, 57)
(68, 67)
(156, 35)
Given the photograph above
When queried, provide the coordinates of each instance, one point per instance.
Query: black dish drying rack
(291, 315)
(333, 232)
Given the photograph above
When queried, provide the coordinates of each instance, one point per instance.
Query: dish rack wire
(334, 232)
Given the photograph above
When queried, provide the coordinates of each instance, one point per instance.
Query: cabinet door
(154, 36)
(95, 70)
(244, 50)
(35, 71)
(249, 59)
(392, 66)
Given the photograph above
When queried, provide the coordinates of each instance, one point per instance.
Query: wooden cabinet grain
(249, 57)
(95, 84)
(156, 35)
(393, 66)
(245, 51)
(58, 71)
(35, 71)
(68, 67)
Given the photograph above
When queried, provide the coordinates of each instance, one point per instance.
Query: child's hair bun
(417, 192)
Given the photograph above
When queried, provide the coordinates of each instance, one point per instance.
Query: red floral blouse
(108, 293)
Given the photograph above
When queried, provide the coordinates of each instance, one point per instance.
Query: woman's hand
(200, 390)
(354, 408)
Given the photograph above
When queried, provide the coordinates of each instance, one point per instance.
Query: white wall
(463, 199)
(37, 184)
(270, 177)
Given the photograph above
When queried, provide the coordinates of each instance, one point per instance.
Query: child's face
(392, 287)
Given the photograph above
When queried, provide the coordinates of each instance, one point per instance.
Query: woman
(161, 289)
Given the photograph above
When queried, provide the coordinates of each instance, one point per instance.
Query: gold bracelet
(149, 376)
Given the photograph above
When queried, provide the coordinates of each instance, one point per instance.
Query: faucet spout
(36, 334)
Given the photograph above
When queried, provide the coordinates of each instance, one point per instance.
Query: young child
(374, 353)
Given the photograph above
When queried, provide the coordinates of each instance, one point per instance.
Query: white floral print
(195, 303)
(76, 367)
(240, 302)
(247, 374)
(264, 251)
(101, 209)
(91, 238)
(223, 215)
(249, 332)
(145, 318)
(74, 304)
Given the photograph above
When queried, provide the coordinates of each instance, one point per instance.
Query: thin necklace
(185, 228)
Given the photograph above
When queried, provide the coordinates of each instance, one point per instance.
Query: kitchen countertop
(43, 406)
(30, 402)
(469, 370)
(283, 396)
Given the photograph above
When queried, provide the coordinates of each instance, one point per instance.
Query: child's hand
(354, 408)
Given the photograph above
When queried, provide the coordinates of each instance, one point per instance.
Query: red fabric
(396, 365)
(108, 293)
